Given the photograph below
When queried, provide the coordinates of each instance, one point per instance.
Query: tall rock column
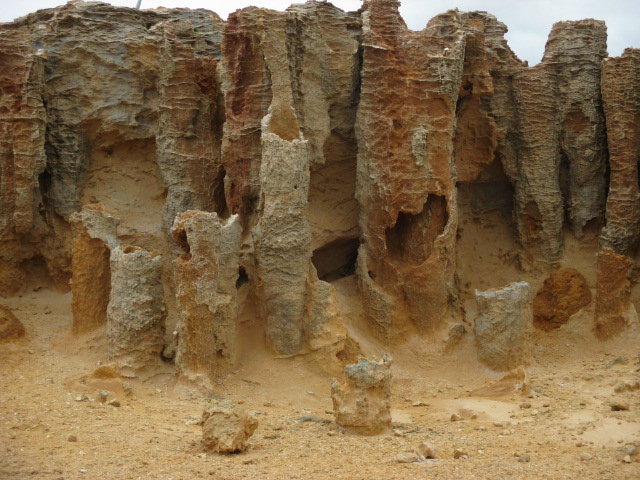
(562, 154)
(205, 277)
(22, 153)
(405, 184)
(621, 95)
(136, 309)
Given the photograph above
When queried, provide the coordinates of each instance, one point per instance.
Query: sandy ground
(564, 428)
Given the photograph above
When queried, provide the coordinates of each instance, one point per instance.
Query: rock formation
(10, 327)
(361, 404)
(503, 326)
(94, 237)
(564, 293)
(226, 427)
(345, 143)
(136, 310)
(205, 277)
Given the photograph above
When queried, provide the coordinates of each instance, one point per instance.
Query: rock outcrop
(503, 326)
(314, 144)
(362, 403)
(226, 427)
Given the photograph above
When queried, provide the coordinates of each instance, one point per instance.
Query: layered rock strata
(344, 142)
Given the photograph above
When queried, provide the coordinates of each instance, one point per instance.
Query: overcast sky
(529, 21)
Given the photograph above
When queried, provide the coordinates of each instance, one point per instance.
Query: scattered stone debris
(312, 418)
(114, 402)
(361, 403)
(524, 458)
(226, 427)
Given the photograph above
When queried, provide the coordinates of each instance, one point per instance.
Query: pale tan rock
(361, 404)
(226, 427)
(503, 326)
(136, 309)
(205, 277)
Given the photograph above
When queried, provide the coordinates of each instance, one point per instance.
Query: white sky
(529, 21)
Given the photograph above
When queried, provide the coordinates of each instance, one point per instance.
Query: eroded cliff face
(268, 157)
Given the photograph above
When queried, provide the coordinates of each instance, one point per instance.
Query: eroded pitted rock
(561, 129)
(226, 427)
(405, 185)
(503, 326)
(205, 278)
(94, 237)
(614, 308)
(621, 95)
(136, 309)
(564, 293)
(22, 153)
(361, 404)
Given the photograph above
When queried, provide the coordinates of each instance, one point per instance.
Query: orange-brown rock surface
(10, 327)
(564, 293)
(345, 143)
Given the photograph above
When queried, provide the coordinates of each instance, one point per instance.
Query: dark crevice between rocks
(410, 240)
(336, 260)
(219, 199)
(243, 277)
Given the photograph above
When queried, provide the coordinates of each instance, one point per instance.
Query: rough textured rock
(226, 427)
(614, 309)
(136, 310)
(22, 152)
(564, 293)
(94, 237)
(205, 277)
(361, 404)
(621, 95)
(503, 326)
(562, 154)
(10, 327)
(405, 184)
(344, 142)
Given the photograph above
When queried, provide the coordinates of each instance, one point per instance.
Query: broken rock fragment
(226, 427)
(10, 327)
(361, 404)
(503, 326)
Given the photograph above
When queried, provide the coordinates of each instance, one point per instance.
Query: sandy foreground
(53, 426)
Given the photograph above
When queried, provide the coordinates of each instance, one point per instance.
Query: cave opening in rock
(336, 260)
(243, 277)
(411, 238)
